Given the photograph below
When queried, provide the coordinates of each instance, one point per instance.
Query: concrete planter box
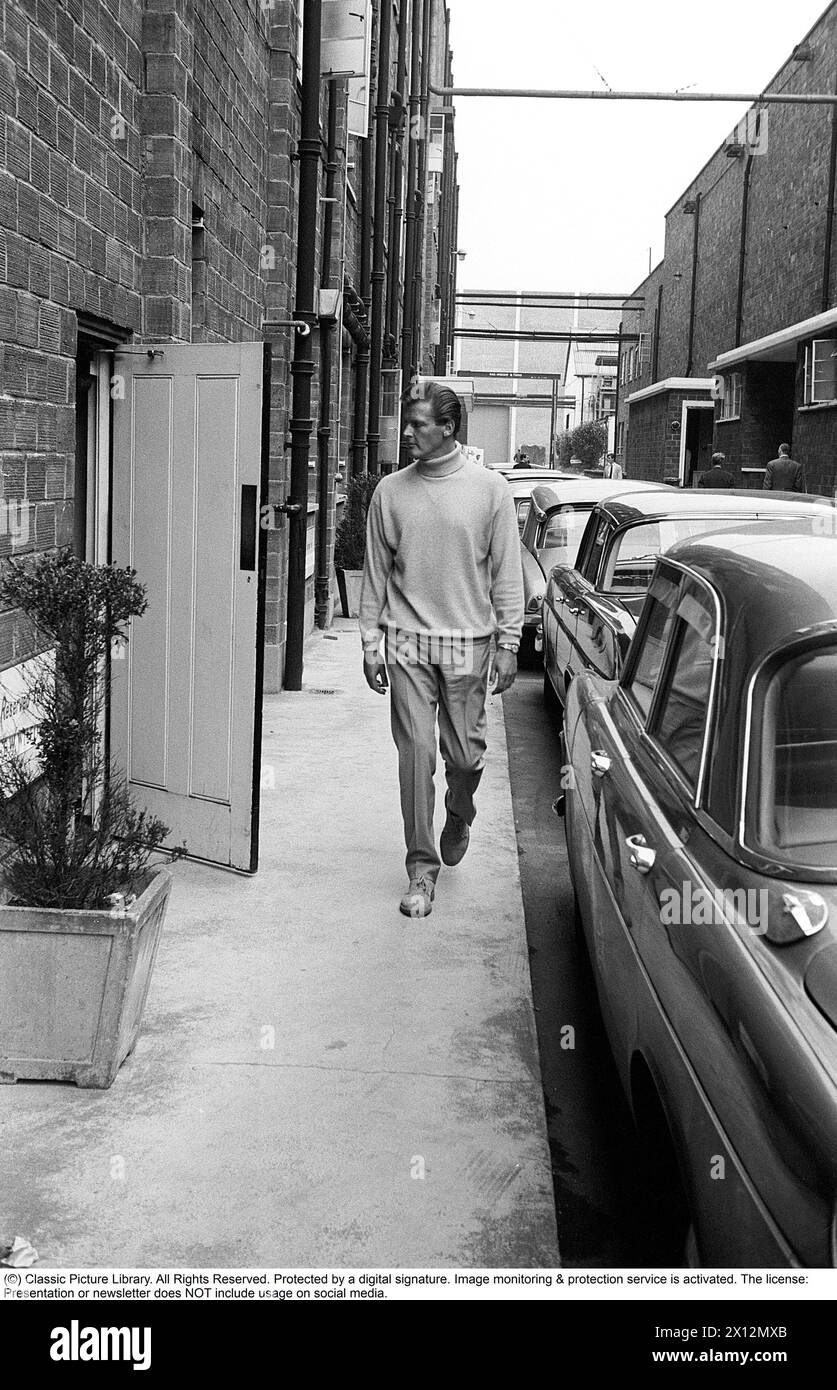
(348, 584)
(73, 985)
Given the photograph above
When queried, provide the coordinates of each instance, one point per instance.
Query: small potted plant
(350, 541)
(82, 908)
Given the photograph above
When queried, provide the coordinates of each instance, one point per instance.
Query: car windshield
(562, 532)
(796, 810)
(630, 563)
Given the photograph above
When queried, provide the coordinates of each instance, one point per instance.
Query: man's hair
(784, 449)
(444, 403)
(718, 459)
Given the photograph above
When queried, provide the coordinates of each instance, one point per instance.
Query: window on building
(731, 404)
(821, 371)
(645, 349)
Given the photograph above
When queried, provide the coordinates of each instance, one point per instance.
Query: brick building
(152, 165)
(149, 196)
(737, 331)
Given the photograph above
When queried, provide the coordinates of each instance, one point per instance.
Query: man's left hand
(504, 670)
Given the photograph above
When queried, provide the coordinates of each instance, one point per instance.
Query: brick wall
(70, 238)
(784, 281)
(116, 119)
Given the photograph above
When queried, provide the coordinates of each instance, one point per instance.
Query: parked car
(523, 481)
(591, 604)
(553, 528)
(701, 822)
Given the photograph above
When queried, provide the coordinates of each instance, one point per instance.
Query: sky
(573, 194)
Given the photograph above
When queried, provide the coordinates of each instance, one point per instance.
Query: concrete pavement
(319, 1081)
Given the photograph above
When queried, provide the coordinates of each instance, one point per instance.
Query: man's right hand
(375, 672)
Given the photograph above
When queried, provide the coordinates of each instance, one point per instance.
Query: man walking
(717, 475)
(784, 474)
(442, 576)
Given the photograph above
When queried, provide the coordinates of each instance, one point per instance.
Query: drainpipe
(395, 267)
(408, 365)
(447, 246)
(696, 215)
(418, 279)
(365, 289)
(618, 384)
(742, 250)
(302, 367)
(322, 584)
(658, 318)
(829, 218)
(379, 274)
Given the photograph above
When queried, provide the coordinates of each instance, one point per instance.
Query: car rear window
(523, 507)
(796, 813)
(649, 658)
(632, 557)
(563, 531)
(681, 716)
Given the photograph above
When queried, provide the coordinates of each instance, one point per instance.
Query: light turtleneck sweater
(442, 554)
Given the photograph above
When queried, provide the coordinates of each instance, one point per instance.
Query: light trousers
(426, 684)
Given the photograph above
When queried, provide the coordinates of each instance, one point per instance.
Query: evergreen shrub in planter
(82, 908)
(350, 541)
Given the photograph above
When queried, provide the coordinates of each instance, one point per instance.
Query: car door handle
(599, 764)
(642, 858)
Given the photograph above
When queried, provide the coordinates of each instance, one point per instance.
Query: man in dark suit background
(784, 474)
(717, 475)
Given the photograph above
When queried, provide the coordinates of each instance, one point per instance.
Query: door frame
(261, 610)
(684, 410)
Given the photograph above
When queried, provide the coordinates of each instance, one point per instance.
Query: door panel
(186, 705)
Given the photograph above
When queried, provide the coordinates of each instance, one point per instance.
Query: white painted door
(186, 695)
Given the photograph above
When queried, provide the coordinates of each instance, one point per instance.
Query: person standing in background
(784, 474)
(717, 475)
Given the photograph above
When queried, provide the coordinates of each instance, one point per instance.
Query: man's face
(423, 435)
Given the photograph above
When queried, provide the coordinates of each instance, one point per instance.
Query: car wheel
(550, 697)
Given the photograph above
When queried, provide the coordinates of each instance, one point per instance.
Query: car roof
(547, 496)
(515, 475)
(744, 502)
(774, 579)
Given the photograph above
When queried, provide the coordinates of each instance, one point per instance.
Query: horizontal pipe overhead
(571, 336)
(762, 98)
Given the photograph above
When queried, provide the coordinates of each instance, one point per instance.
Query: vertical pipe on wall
(365, 290)
(658, 319)
(379, 273)
(322, 583)
(742, 250)
(418, 277)
(829, 216)
(693, 299)
(395, 267)
(408, 365)
(302, 366)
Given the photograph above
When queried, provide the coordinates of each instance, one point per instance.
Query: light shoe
(418, 899)
(455, 838)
